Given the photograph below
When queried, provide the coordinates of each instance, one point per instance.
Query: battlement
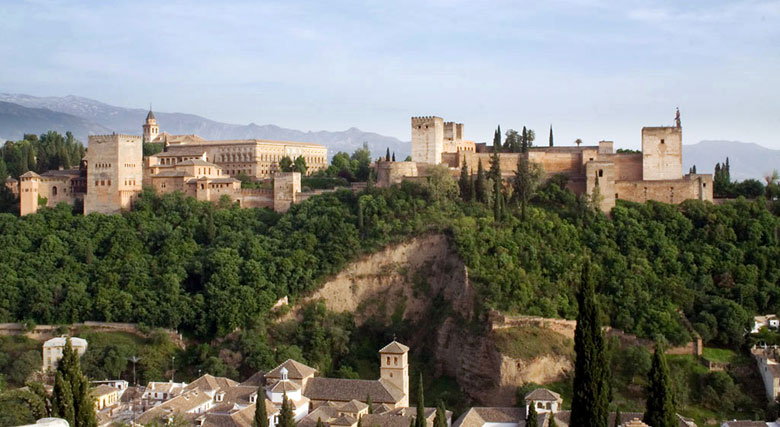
(417, 119)
(109, 137)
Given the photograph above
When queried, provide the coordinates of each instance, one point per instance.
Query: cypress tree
(480, 188)
(261, 415)
(286, 417)
(72, 398)
(590, 403)
(464, 183)
(368, 402)
(551, 136)
(552, 422)
(497, 140)
(495, 173)
(440, 420)
(393, 155)
(617, 418)
(659, 408)
(420, 419)
(320, 423)
(524, 146)
(413, 422)
(532, 418)
(387, 156)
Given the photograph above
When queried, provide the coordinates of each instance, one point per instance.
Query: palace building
(114, 172)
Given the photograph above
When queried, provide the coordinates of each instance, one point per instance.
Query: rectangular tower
(427, 139)
(661, 153)
(114, 172)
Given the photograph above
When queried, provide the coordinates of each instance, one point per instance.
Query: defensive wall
(45, 332)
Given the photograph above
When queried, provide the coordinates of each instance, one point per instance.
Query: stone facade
(114, 172)
(653, 174)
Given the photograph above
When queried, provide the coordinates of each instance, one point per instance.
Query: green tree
(440, 420)
(300, 165)
(261, 415)
(618, 416)
(3, 172)
(480, 186)
(393, 159)
(361, 161)
(320, 423)
(464, 183)
(590, 403)
(72, 398)
(420, 418)
(387, 155)
(532, 418)
(369, 403)
(286, 417)
(551, 136)
(498, 185)
(512, 141)
(552, 422)
(286, 164)
(497, 140)
(527, 179)
(659, 406)
(524, 141)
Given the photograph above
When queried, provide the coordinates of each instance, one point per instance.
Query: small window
(601, 172)
(616, 196)
(662, 141)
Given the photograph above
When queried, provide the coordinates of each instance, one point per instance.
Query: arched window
(54, 191)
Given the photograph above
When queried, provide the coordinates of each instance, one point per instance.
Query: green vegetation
(72, 398)
(660, 405)
(49, 151)
(19, 358)
(530, 342)
(718, 355)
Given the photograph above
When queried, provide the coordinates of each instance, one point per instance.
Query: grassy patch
(531, 342)
(718, 355)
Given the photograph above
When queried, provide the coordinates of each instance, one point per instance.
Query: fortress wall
(390, 173)
(554, 162)
(628, 167)
(697, 187)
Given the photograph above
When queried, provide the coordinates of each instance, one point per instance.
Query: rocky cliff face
(412, 280)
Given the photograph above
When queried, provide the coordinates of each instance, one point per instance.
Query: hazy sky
(593, 69)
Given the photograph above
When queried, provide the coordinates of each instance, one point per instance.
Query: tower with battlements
(427, 139)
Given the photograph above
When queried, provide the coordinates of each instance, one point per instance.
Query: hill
(98, 117)
(747, 160)
(16, 120)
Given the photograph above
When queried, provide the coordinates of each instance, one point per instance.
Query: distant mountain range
(20, 114)
(746, 159)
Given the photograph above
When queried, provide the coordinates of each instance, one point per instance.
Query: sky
(592, 69)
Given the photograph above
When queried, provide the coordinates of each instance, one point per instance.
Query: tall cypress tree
(497, 140)
(617, 418)
(440, 420)
(551, 136)
(590, 403)
(72, 398)
(261, 415)
(552, 422)
(480, 188)
(387, 156)
(420, 419)
(320, 423)
(286, 417)
(524, 141)
(495, 174)
(464, 183)
(532, 418)
(659, 408)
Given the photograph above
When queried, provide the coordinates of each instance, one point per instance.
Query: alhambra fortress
(114, 171)
(654, 174)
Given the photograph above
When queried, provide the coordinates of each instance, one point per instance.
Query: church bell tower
(151, 130)
(394, 368)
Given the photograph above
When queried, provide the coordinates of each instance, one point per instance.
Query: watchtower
(427, 139)
(28, 193)
(661, 153)
(394, 368)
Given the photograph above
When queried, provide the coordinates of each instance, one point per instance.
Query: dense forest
(175, 262)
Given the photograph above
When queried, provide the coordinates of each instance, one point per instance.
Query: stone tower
(28, 193)
(394, 368)
(661, 153)
(427, 139)
(114, 172)
(151, 129)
